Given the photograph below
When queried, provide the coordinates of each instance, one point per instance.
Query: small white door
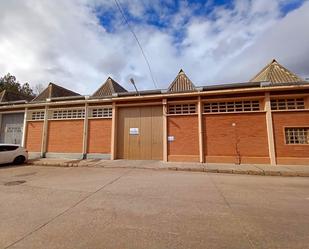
(12, 128)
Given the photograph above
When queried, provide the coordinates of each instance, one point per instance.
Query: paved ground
(135, 208)
(245, 169)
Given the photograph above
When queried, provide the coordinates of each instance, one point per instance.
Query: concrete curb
(260, 172)
(244, 172)
(53, 164)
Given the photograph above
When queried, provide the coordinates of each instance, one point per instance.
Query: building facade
(263, 121)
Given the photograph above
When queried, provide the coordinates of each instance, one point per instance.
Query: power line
(138, 43)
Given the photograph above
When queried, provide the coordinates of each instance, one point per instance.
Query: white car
(13, 153)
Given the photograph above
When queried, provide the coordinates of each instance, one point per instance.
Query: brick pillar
(270, 130)
(200, 129)
(164, 105)
(114, 132)
(23, 141)
(44, 133)
(85, 132)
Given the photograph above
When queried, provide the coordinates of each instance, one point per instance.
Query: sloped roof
(7, 96)
(181, 83)
(108, 88)
(2, 96)
(276, 73)
(53, 91)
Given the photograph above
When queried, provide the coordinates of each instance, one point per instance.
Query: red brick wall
(34, 136)
(65, 136)
(99, 135)
(185, 131)
(294, 119)
(220, 135)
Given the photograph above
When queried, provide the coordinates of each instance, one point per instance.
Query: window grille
(232, 106)
(68, 114)
(297, 135)
(105, 112)
(182, 109)
(37, 115)
(287, 104)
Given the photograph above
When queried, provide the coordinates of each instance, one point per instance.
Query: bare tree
(38, 88)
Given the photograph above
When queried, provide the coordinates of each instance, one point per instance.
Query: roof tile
(7, 96)
(276, 74)
(181, 83)
(53, 91)
(108, 88)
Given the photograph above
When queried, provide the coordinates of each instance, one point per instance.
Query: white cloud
(286, 40)
(63, 42)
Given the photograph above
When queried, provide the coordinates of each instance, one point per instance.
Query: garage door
(12, 128)
(139, 135)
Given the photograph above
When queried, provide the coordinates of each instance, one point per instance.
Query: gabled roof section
(2, 96)
(181, 83)
(54, 91)
(276, 74)
(108, 88)
(8, 96)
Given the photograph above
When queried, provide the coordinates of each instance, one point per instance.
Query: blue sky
(162, 18)
(288, 6)
(154, 17)
(79, 43)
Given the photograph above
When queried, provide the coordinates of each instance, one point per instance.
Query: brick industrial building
(265, 120)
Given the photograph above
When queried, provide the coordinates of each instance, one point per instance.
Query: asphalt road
(151, 209)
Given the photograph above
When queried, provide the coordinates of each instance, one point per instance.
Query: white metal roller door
(11, 128)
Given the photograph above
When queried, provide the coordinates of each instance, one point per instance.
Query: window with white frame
(102, 112)
(297, 135)
(288, 104)
(36, 115)
(182, 109)
(68, 114)
(232, 106)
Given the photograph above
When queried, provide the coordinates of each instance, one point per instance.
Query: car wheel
(19, 160)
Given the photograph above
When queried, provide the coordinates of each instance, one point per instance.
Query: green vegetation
(9, 83)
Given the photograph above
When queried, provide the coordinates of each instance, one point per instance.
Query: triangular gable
(181, 83)
(2, 96)
(7, 96)
(276, 74)
(108, 88)
(54, 91)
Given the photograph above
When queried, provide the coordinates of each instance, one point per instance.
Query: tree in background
(38, 88)
(9, 83)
